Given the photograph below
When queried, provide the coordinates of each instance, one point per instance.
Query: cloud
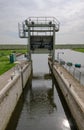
(69, 13)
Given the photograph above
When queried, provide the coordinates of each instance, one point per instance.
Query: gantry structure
(41, 34)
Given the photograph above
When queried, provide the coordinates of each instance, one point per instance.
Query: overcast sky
(70, 14)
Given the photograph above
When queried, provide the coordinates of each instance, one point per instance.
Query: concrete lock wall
(26, 73)
(77, 113)
(10, 95)
(74, 108)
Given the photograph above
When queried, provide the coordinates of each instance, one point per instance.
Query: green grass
(79, 50)
(8, 52)
(5, 64)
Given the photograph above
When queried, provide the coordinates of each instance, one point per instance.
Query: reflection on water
(66, 123)
(40, 106)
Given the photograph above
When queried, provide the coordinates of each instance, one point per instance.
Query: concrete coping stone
(71, 89)
(7, 87)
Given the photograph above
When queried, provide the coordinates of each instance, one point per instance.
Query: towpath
(73, 85)
(6, 77)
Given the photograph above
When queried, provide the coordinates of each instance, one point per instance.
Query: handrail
(38, 22)
(43, 20)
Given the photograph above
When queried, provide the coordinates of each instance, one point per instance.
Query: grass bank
(5, 64)
(79, 50)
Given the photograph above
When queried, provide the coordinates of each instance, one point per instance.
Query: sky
(70, 14)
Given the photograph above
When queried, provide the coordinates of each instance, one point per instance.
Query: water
(39, 107)
(75, 58)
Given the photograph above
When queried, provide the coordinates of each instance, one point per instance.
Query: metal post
(58, 56)
(74, 72)
(80, 77)
(53, 44)
(29, 43)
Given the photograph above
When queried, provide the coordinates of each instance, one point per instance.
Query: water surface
(75, 58)
(40, 107)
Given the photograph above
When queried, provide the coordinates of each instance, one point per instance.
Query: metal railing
(43, 20)
(38, 24)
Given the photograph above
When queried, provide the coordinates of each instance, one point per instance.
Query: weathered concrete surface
(6, 77)
(73, 93)
(11, 89)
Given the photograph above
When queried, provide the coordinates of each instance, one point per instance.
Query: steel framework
(40, 32)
